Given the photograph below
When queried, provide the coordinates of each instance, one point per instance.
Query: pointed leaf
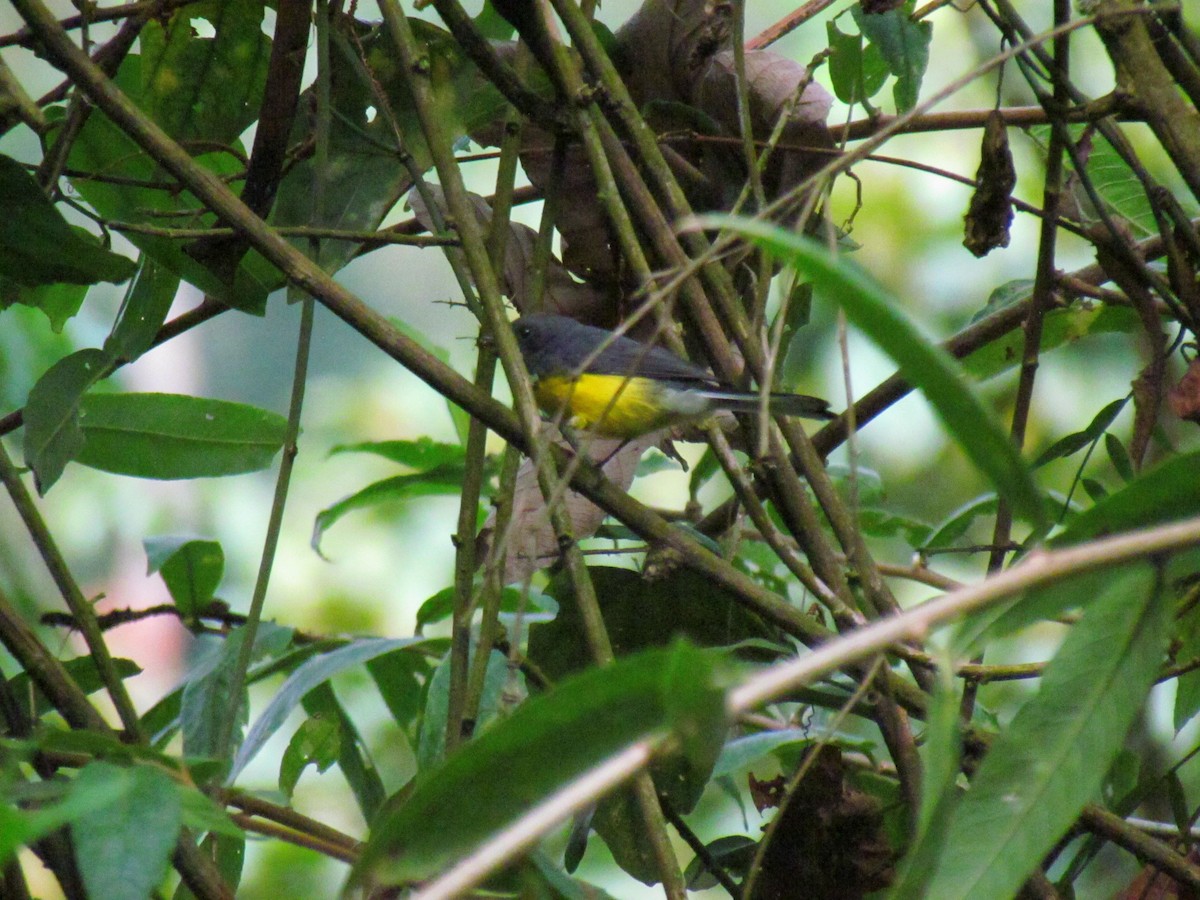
(1167, 492)
(37, 246)
(192, 569)
(53, 436)
(172, 436)
(353, 758)
(442, 480)
(307, 676)
(924, 365)
(123, 847)
(1054, 756)
(904, 45)
(546, 743)
(144, 310)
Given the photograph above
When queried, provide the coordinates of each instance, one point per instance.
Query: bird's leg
(621, 446)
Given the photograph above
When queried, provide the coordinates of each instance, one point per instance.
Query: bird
(613, 386)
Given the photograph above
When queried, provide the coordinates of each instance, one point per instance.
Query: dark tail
(784, 404)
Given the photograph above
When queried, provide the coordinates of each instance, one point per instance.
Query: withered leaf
(826, 842)
(991, 213)
(531, 543)
(563, 294)
(1184, 396)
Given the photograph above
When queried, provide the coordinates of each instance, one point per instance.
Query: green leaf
(1115, 182)
(442, 480)
(353, 758)
(24, 826)
(904, 45)
(315, 743)
(399, 676)
(149, 197)
(955, 525)
(880, 522)
(173, 436)
(1166, 493)
(857, 75)
(549, 741)
(144, 310)
(208, 690)
(734, 853)
(1073, 443)
(656, 461)
(923, 364)
(84, 674)
(273, 646)
(192, 569)
(123, 847)
(1094, 488)
(431, 747)
(797, 343)
(1187, 691)
(207, 699)
(1004, 296)
(557, 883)
(702, 472)
(1119, 457)
(738, 755)
(202, 813)
(493, 26)
(619, 822)
(639, 614)
(441, 605)
(941, 753)
(305, 678)
(366, 176)
(205, 88)
(1055, 754)
(53, 436)
(1060, 328)
(58, 302)
(423, 454)
(845, 63)
(37, 246)
(1063, 447)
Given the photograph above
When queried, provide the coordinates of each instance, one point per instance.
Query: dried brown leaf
(1152, 883)
(666, 44)
(991, 211)
(1184, 396)
(828, 836)
(588, 248)
(772, 82)
(531, 541)
(563, 294)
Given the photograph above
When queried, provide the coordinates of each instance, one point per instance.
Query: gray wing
(626, 356)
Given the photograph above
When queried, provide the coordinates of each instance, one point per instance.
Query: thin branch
(71, 593)
(298, 838)
(366, 238)
(297, 822)
(787, 24)
(27, 37)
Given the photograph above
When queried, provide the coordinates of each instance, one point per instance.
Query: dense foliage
(804, 662)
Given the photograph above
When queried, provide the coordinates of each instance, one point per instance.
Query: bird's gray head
(554, 344)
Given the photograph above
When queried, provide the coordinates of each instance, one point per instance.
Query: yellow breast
(606, 405)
